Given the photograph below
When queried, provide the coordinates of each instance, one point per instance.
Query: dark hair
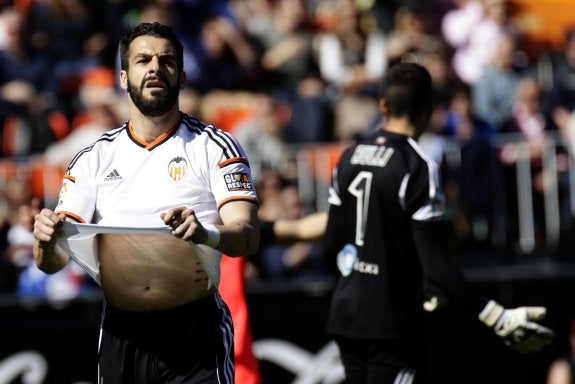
(151, 29)
(407, 91)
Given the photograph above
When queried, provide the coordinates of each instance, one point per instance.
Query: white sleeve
(77, 198)
(230, 175)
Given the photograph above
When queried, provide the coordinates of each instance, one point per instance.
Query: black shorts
(381, 361)
(191, 343)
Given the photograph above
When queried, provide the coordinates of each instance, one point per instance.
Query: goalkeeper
(384, 229)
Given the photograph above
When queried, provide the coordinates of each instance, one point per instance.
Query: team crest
(238, 181)
(177, 168)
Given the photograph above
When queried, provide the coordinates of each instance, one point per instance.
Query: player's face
(152, 79)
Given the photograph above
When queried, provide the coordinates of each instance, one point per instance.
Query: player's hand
(46, 222)
(185, 225)
(518, 327)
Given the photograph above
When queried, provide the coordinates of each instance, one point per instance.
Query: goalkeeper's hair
(407, 91)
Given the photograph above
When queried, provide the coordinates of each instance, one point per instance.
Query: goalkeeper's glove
(518, 327)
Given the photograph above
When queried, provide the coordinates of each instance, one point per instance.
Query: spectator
(294, 261)
(495, 92)
(533, 131)
(34, 285)
(74, 34)
(286, 46)
(473, 30)
(14, 193)
(469, 174)
(457, 23)
(97, 110)
(270, 184)
(200, 11)
(408, 34)
(221, 57)
(5, 11)
(262, 136)
(433, 55)
(350, 59)
(30, 114)
(561, 90)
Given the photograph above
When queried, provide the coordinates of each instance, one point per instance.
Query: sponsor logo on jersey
(177, 168)
(238, 181)
(66, 191)
(113, 176)
(369, 268)
(63, 193)
(347, 262)
(346, 258)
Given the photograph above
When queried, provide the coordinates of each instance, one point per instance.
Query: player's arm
(286, 231)
(518, 327)
(238, 235)
(49, 257)
(440, 271)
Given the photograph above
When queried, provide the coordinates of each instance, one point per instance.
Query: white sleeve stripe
(405, 376)
(433, 170)
(221, 138)
(402, 189)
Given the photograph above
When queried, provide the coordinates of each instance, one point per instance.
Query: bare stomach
(143, 273)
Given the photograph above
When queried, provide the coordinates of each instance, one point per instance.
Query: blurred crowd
(279, 75)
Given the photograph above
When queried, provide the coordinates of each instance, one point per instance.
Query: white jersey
(120, 180)
(123, 181)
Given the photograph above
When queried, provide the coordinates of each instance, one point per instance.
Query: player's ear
(182, 80)
(123, 79)
(383, 106)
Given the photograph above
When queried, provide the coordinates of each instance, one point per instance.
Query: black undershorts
(192, 343)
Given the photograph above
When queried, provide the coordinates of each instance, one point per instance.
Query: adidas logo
(114, 175)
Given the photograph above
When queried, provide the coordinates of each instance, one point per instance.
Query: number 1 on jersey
(360, 188)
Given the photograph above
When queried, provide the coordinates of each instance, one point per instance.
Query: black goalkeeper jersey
(383, 188)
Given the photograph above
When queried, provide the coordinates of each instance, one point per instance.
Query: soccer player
(384, 229)
(163, 318)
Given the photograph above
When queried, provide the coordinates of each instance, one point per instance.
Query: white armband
(213, 239)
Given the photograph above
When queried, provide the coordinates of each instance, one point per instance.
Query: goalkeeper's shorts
(381, 361)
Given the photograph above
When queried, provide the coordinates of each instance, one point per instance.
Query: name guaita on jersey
(238, 181)
(375, 155)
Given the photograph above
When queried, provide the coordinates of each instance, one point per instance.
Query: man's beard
(160, 102)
